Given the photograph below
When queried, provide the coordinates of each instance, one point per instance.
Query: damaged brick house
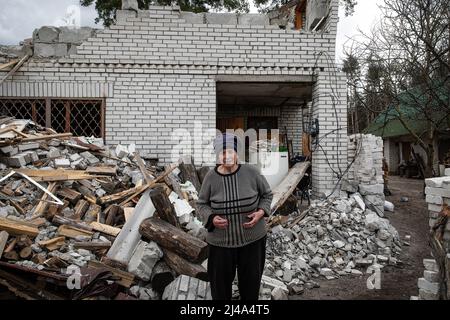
(158, 70)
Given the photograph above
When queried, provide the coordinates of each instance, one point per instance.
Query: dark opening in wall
(82, 117)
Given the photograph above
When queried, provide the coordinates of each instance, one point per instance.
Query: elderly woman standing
(233, 201)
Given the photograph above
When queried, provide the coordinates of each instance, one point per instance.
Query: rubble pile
(331, 239)
(65, 200)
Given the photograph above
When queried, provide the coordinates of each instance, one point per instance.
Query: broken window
(82, 117)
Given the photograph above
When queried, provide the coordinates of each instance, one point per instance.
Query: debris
(187, 288)
(404, 199)
(388, 206)
(144, 258)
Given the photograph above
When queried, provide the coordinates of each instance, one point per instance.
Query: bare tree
(406, 58)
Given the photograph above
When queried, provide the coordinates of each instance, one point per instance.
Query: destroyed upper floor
(299, 22)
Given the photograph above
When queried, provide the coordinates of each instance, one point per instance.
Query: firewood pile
(82, 220)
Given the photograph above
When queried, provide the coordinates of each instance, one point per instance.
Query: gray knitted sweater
(233, 197)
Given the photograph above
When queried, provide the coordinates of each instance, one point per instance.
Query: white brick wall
(158, 72)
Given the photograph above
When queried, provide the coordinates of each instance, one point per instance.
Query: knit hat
(226, 141)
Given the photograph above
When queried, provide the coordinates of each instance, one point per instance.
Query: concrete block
(46, 34)
(252, 19)
(9, 150)
(191, 17)
(279, 294)
(431, 276)
(121, 151)
(61, 163)
(273, 283)
(435, 207)
(430, 265)
(438, 192)
(75, 35)
(426, 295)
(28, 146)
(437, 182)
(221, 18)
(434, 199)
(187, 288)
(144, 258)
(373, 189)
(89, 157)
(447, 172)
(17, 161)
(47, 50)
(130, 5)
(53, 153)
(75, 157)
(432, 287)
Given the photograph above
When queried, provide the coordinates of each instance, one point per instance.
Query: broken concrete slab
(45, 34)
(144, 258)
(221, 18)
(89, 157)
(28, 146)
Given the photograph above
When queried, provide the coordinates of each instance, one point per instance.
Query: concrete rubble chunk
(430, 265)
(46, 34)
(130, 5)
(279, 294)
(144, 258)
(432, 287)
(121, 151)
(373, 189)
(61, 163)
(187, 288)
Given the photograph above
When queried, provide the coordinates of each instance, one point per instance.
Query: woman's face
(228, 158)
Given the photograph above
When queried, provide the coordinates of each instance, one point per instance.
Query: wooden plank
(18, 228)
(73, 232)
(60, 220)
(102, 170)
(282, 191)
(3, 240)
(69, 194)
(141, 165)
(92, 245)
(104, 228)
(47, 137)
(56, 175)
(8, 64)
(53, 244)
(126, 279)
(15, 68)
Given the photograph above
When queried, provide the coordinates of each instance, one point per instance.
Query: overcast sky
(18, 18)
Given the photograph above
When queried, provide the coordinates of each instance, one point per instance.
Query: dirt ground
(397, 282)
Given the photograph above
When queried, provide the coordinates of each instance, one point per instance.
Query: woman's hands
(255, 217)
(222, 223)
(219, 222)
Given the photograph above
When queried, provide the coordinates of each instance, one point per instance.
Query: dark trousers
(248, 260)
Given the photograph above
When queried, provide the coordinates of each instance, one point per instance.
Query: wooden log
(26, 253)
(182, 266)
(288, 185)
(17, 227)
(173, 182)
(189, 173)
(164, 208)
(102, 170)
(73, 232)
(39, 258)
(60, 220)
(80, 208)
(69, 194)
(3, 240)
(104, 228)
(17, 207)
(11, 255)
(23, 241)
(174, 239)
(161, 276)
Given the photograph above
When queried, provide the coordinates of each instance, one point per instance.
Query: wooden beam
(8, 64)
(282, 191)
(102, 170)
(141, 165)
(73, 232)
(183, 266)
(91, 245)
(164, 208)
(15, 68)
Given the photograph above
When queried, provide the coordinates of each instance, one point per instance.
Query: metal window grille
(82, 117)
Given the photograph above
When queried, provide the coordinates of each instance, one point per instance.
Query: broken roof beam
(15, 68)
